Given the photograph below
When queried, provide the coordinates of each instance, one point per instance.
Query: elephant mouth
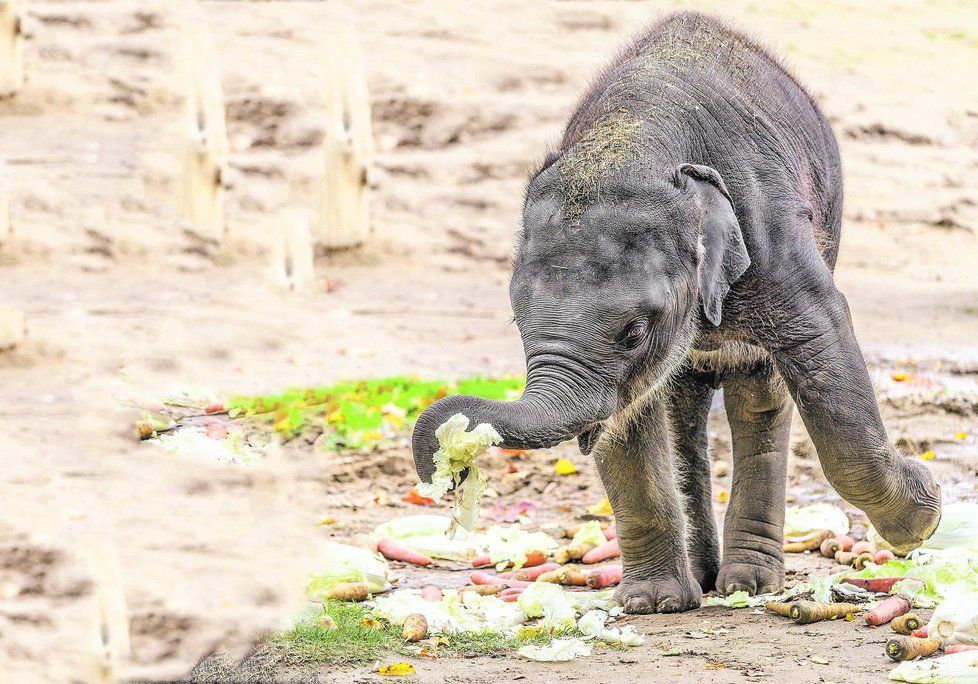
(589, 437)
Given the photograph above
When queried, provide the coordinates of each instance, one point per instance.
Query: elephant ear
(723, 255)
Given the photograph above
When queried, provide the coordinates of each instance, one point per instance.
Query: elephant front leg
(816, 351)
(690, 396)
(635, 463)
(759, 413)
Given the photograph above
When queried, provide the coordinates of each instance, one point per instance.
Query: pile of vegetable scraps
(458, 450)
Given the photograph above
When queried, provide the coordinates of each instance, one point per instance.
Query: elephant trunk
(549, 412)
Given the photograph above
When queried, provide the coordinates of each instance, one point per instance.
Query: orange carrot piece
(531, 574)
(481, 577)
(845, 542)
(882, 556)
(920, 633)
(392, 550)
(892, 607)
(610, 533)
(607, 576)
(606, 551)
(431, 593)
(960, 648)
(902, 648)
(906, 624)
(862, 547)
(481, 561)
(879, 585)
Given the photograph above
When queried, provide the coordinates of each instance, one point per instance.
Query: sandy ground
(122, 301)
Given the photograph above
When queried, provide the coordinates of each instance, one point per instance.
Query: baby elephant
(681, 239)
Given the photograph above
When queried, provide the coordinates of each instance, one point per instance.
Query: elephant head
(605, 289)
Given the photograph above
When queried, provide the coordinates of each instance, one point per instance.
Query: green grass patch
(361, 413)
(351, 643)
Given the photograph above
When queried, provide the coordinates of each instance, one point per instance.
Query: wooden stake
(13, 327)
(12, 14)
(347, 145)
(292, 256)
(205, 154)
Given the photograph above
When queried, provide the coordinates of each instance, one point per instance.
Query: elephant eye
(633, 333)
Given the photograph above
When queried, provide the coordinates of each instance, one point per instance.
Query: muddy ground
(121, 300)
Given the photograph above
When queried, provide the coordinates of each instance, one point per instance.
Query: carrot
(960, 648)
(215, 408)
(607, 576)
(809, 542)
(920, 633)
(415, 627)
(906, 624)
(569, 532)
(392, 550)
(844, 557)
(569, 575)
(892, 607)
(349, 591)
(882, 556)
(902, 648)
(531, 574)
(611, 533)
(862, 547)
(806, 612)
(859, 562)
(431, 593)
(481, 561)
(572, 552)
(484, 589)
(879, 585)
(535, 558)
(606, 551)
(829, 547)
(779, 608)
(480, 577)
(511, 595)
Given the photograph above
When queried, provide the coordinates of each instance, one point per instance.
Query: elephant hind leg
(759, 411)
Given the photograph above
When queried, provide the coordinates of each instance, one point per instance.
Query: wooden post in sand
(205, 139)
(292, 256)
(11, 46)
(344, 219)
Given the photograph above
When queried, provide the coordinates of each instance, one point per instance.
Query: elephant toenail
(638, 604)
(668, 605)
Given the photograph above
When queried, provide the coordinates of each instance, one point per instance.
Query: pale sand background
(465, 96)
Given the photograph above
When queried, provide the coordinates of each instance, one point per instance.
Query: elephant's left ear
(724, 256)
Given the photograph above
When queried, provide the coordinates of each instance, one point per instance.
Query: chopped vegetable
(607, 576)
(559, 650)
(901, 648)
(808, 542)
(604, 552)
(603, 507)
(806, 612)
(892, 607)
(431, 593)
(955, 620)
(592, 624)
(457, 451)
(802, 520)
(906, 624)
(392, 550)
(949, 669)
(351, 591)
(531, 574)
(396, 670)
(415, 627)
(345, 564)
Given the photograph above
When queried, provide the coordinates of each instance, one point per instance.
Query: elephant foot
(753, 577)
(673, 595)
(906, 521)
(705, 567)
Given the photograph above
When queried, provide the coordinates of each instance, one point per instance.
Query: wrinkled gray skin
(680, 240)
